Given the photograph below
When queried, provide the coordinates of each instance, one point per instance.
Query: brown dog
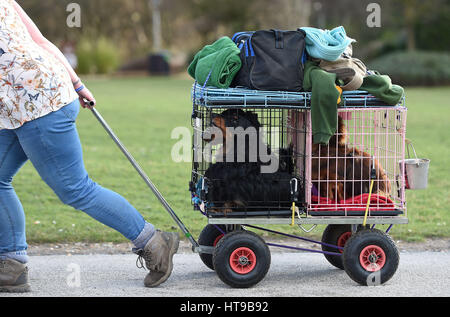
(340, 171)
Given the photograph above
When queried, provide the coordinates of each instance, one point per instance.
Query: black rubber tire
(331, 235)
(208, 237)
(356, 244)
(228, 245)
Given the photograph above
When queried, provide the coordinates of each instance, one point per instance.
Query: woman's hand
(87, 100)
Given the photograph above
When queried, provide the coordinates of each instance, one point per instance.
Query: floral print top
(33, 82)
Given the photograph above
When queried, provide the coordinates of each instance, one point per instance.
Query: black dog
(238, 182)
(240, 136)
(242, 141)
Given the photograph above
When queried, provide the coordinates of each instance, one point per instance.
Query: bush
(106, 56)
(97, 57)
(84, 52)
(416, 68)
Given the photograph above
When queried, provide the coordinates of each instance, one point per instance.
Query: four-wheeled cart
(350, 241)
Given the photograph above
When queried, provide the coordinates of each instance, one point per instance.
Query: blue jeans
(52, 145)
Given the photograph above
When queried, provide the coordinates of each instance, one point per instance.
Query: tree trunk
(410, 17)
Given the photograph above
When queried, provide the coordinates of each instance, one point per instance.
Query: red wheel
(335, 236)
(372, 258)
(210, 236)
(343, 239)
(242, 260)
(217, 239)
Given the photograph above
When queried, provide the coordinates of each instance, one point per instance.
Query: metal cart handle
(146, 179)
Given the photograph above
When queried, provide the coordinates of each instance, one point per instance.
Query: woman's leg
(12, 218)
(53, 146)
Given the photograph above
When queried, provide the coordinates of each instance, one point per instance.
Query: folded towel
(326, 44)
(216, 63)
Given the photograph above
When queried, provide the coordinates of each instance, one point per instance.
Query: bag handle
(279, 40)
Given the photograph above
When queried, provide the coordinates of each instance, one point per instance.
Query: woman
(40, 96)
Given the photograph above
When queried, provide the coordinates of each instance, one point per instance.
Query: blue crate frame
(212, 97)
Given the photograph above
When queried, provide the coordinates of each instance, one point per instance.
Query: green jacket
(325, 97)
(381, 87)
(219, 61)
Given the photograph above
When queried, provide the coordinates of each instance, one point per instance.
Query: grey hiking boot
(158, 256)
(13, 277)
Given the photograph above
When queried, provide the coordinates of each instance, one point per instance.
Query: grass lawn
(144, 111)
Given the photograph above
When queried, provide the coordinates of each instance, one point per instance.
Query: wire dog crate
(218, 176)
(331, 180)
(339, 177)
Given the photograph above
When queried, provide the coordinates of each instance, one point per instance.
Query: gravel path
(107, 269)
(80, 248)
(290, 275)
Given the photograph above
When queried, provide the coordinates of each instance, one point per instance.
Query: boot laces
(144, 260)
(140, 261)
